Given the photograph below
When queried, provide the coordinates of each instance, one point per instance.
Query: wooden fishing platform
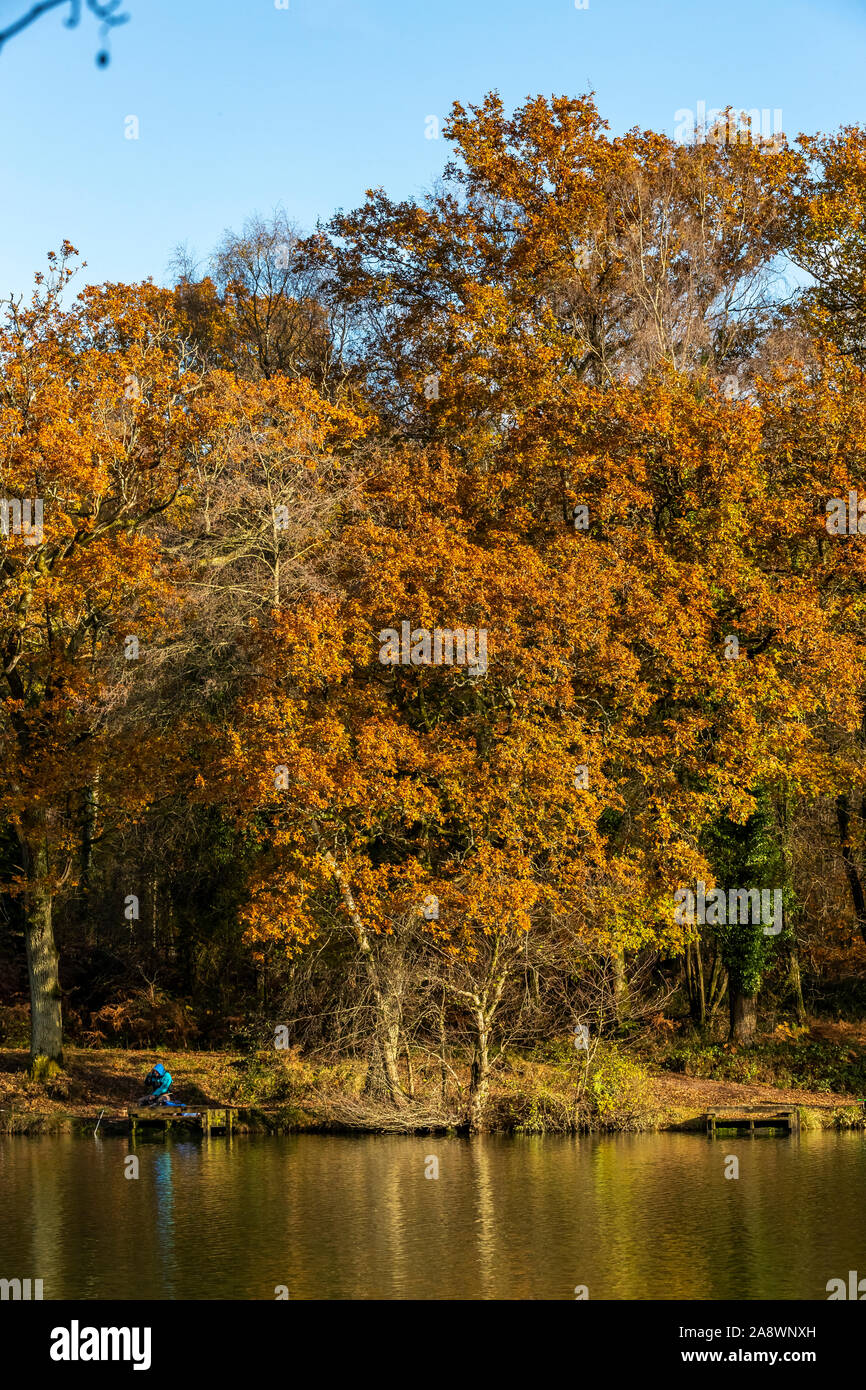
(752, 1119)
(199, 1119)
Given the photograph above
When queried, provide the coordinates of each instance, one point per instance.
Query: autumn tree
(259, 309)
(459, 805)
(557, 405)
(827, 235)
(584, 320)
(553, 252)
(97, 441)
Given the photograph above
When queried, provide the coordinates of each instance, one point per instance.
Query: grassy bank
(654, 1084)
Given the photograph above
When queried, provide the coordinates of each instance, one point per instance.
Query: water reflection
(632, 1217)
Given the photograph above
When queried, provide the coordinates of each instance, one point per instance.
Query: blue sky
(243, 107)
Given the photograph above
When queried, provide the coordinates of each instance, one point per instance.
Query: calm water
(631, 1217)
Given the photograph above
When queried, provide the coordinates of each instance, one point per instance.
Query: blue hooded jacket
(158, 1080)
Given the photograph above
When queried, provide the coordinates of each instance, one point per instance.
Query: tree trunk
(483, 1003)
(46, 1025)
(384, 1072)
(480, 1074)
(796, 984)
(849, 859)
(621, 1000)
(744, 1015)
(695, 983)
(410, 1074)
(442, 1042)
(375, 1083)
(387, 1042)
(718, 985)
(90, 799)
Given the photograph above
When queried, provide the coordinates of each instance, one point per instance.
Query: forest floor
(820, 1069)
(696, 1094)
(94, 1079)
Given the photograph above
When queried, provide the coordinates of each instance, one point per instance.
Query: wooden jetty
(196, 1118)
(752, 1119)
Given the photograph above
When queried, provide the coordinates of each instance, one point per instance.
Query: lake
(340, 1217)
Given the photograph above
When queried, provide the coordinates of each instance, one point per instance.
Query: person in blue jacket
(158, 1080)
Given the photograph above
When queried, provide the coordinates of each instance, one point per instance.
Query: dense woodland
(593, 396)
